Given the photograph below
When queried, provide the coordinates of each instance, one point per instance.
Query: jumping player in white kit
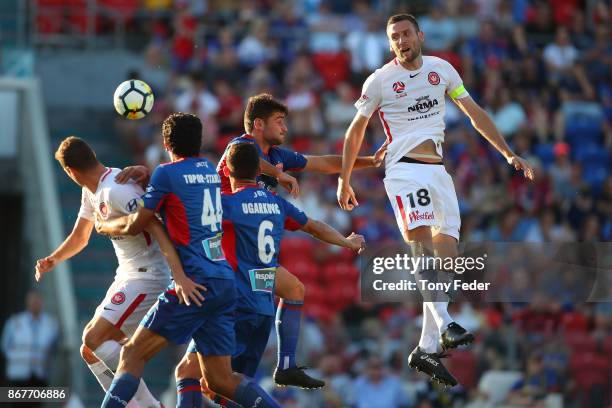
(142, 273)
(409, 95)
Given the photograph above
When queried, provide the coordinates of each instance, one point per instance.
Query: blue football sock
(249, 394)
(224, 402)
(121, 391)
(189, 393)
(288, 318)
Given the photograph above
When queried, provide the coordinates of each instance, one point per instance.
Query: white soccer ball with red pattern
(133, 99)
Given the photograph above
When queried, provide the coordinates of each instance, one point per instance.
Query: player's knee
(296, 291)
(88, 355)
(90, 339)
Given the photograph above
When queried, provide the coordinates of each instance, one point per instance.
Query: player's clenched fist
(357, 242)
(346, 196)
(290, 183)
(43, 266)
(521, 164)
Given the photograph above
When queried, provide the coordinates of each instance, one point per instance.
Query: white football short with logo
(423, 195)
(128, 300)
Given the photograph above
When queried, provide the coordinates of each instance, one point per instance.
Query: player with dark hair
(253, 223)
(142, 273)
(264, 122)
(187, 193)
(409, 95)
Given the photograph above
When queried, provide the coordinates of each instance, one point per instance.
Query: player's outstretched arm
(288, 182)
(484, 125)
(352, 144)
(72, 245)
(332, 164)
(187, 290)
(140, 174)
(326, 233)
(132, 224)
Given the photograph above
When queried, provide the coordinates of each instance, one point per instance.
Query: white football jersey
(410, 104)
(139, 256)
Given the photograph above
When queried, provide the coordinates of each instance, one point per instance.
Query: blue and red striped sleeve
(292, 161)
(158, 197)
(228, 242)
(157, 190)
(295, 218)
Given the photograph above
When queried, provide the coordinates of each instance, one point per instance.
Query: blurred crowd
(541, 68)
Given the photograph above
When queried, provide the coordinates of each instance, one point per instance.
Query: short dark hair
(402, 17)
(261, 106)
(75, 153)
(242, 160)
(182, 133)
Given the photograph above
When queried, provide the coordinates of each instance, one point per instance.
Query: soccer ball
(133, 99)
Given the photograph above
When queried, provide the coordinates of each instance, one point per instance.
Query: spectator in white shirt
(560, 55)
(28, 339)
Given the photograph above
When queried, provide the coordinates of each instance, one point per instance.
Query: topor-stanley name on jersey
(201, 178)
(423, 104)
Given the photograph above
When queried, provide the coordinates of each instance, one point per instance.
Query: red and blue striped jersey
(187, 194)
(254, 220)
(285, 159)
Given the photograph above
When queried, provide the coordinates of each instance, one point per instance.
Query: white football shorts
(423, 194)
(128, 300)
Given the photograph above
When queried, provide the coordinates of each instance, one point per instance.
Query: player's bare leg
(425, 356)
(191, 386)
(222, 381)
(288, 317)
(100, 349)
(139, 349)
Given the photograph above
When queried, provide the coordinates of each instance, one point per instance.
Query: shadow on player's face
(74, 175)
(275, 129)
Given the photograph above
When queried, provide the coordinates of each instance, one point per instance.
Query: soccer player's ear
(258, 123)
(69, 171)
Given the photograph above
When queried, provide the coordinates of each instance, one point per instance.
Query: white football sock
(102, 373)
(429, 332)
(145, 398)
(439, 311)
(109, 353)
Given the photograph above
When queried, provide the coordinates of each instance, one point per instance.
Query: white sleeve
(454, 87)
(371, 96)
(86, 211)
(125, 198)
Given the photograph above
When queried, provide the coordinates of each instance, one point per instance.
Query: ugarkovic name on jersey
(410, 104)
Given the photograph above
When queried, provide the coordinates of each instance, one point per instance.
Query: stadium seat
(582, 341)
(574, 323)
(591, 373)
(303, 267)
(546, 154)
(296, 244)
(333, 67)
(462, 365)
(339, 272)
